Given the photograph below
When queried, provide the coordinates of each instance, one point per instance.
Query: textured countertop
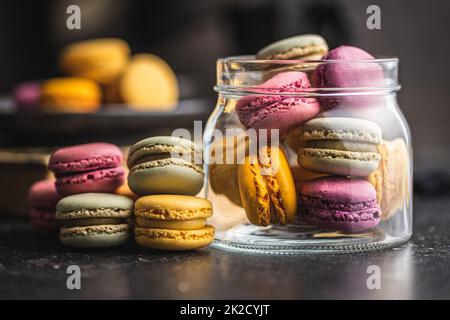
(34, 266)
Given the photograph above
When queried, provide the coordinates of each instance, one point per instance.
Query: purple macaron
(339, 203)
(349, 67)
(26, 96)
(93, 167)
(278, 111)
(42, 199)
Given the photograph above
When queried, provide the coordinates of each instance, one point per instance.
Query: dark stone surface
(34, 266)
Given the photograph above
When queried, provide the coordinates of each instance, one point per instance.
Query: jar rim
(251, 59)
(241, 75)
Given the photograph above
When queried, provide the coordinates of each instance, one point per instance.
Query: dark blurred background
(191, 35)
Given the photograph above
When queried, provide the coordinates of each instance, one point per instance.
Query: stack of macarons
(167, 173)
(91, 215)
(101, 71)
(341, 155)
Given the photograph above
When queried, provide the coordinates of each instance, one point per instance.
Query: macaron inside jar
(340, 146)
(276, 111)
(341, 204)
(350, 67)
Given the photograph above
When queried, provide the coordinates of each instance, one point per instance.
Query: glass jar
(347, 183)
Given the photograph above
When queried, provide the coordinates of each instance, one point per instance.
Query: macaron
(223, 166)
(101, 60)
(94, 220)
(302, 47)
(173, 222)
(349, 67)
(266, 187)
(165, 165)
(74, 95)
(259, 111)
(26, 96)
(391, 179)
(340, 146)
(93, 167)
(148, 83)
(339, 203)
(42, 199)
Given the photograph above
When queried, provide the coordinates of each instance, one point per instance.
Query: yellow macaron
(101, 60)
(173, 222)
(267, 187)
(147, 84)
(70, 95)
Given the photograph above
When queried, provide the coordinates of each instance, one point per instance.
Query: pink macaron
(278, 111)
(26, 96)
(349, 67)
(93, 167)
(42, 198)
(339, 203)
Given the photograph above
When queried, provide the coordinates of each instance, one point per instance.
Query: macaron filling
(348, 134)
(338, 154)
(303, 52)
(165, 162)
(93, 163)
(82, 177)
(190, 224)
(85, 222)
(342, 145)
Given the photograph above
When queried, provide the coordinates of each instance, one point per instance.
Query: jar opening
(243, 75)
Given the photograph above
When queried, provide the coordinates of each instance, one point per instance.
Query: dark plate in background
(114, 123)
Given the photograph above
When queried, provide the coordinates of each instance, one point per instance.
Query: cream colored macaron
(306, 47)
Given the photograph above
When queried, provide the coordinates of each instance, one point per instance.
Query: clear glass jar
(348, 148)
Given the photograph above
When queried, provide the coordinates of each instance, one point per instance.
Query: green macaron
(307, 47)
(165, 165)
(340, 146)
(94, 220)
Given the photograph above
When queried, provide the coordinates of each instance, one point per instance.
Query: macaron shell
(70, 95)
(102, 180)
(303, 46)
(94, 205)
(225, 154)
(174, 240)
(284, 114)
(339, 189)
(253, 191)
(161, 145)
(101, 236)
(167, 176)
(339, 203)
(349, 75)
(101, 60)
(85, 157)
(395, 166)
(149, 83)
(279, 182)
(349, 222)
(277, 112)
